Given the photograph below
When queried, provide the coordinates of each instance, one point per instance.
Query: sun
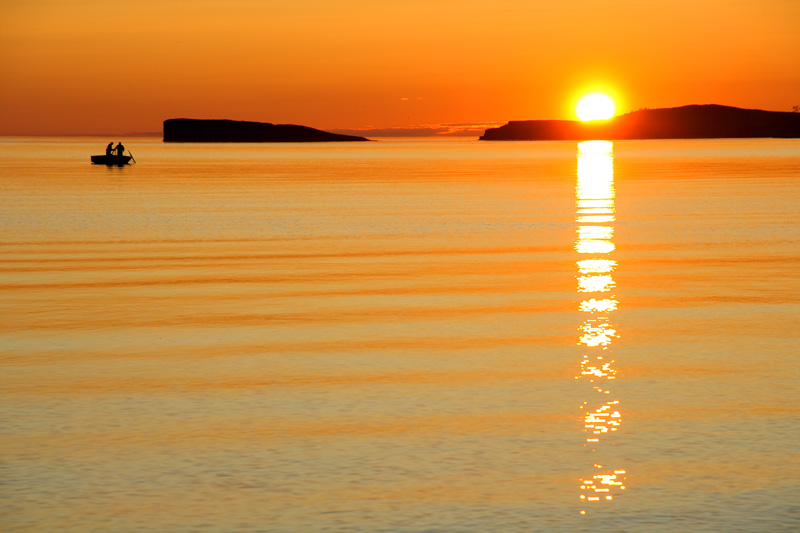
(595, 106)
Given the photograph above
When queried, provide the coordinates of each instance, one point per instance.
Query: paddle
(131, 156)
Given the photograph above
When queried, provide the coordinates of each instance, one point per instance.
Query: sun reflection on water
(594, 213)
(598, 306)
(587, 266)
(596, 283)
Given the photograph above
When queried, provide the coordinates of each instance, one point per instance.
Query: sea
(406, 335)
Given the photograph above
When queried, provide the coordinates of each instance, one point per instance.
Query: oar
(131, 156)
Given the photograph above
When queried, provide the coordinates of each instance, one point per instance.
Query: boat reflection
(594, 216)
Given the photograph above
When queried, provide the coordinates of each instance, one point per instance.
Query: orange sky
(86, 66)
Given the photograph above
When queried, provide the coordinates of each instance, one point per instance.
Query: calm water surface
(416, 335)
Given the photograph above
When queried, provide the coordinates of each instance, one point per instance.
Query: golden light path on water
(595, 215)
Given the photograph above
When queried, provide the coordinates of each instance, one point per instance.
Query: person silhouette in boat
(120, 149)
(110, 148)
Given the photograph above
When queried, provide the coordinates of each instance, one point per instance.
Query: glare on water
(595, 193)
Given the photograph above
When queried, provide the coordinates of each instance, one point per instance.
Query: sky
(92, 67)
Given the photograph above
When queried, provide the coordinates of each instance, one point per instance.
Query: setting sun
(595, 107)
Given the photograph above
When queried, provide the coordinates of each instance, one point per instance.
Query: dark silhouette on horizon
(114, 156)
(188, 130)
(688, 122)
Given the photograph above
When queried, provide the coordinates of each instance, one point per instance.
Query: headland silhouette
(688, 122)
(188, 130)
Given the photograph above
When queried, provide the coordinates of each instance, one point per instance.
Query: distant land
(465, 129)
(688, 122)
(189, 130)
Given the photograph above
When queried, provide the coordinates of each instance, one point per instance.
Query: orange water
(400, 336)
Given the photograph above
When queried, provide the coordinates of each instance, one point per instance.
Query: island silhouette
(190, 130)
(709, 121)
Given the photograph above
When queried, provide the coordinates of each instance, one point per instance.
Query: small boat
(118, 160)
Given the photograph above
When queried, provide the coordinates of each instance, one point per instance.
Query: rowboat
(111, 160)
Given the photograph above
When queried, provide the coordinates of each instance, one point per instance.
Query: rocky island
(687, 122)
(189, 130)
